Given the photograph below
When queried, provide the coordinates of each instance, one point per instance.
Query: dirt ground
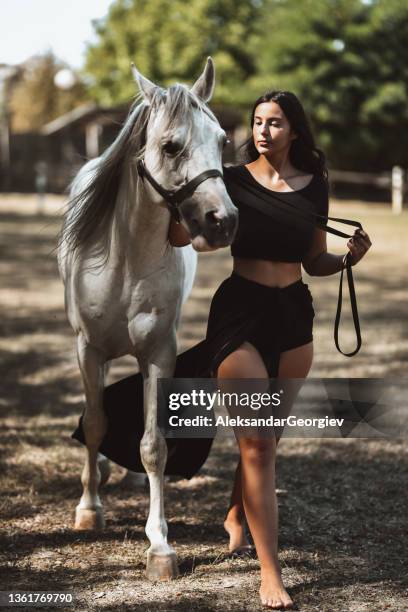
(342, 503)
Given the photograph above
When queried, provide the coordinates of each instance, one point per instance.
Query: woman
(268, 253)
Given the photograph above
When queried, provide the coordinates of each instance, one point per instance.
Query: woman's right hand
(178, 236)
(358, 245)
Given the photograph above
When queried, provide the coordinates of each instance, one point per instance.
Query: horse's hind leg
(103, 462)
(89, 514)
(104, 469)
(134, 480)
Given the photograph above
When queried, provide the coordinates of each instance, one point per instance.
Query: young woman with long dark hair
(261, 317)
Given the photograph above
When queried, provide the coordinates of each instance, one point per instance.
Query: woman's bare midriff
(270, 273)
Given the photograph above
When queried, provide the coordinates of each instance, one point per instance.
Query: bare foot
(273, 593)
(237, 534)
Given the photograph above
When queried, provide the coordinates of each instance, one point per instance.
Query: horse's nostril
(213, 217)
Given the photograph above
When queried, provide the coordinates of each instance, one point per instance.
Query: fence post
(41, 172)
(92, 136)
(397, 182)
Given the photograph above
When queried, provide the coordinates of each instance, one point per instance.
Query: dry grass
(342, 502)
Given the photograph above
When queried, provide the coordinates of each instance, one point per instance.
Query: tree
(347, 61)
(169, 41)
(35, 99)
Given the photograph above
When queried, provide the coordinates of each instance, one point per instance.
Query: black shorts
(273, 319)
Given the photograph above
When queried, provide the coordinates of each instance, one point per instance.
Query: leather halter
(175, 198)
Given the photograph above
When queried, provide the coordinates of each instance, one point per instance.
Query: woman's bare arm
(318, 262)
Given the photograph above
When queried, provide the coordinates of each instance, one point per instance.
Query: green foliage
(169, 41)
(348, 63)
(347, 60)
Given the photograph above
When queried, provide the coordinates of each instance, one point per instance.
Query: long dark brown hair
(304, 154)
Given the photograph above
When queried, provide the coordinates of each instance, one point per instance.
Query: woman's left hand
(358, 245)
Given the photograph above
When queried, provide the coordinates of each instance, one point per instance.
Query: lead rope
(353, 301)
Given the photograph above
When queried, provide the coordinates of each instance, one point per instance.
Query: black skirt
(273, 319)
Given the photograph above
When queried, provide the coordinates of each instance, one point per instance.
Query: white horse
(124, 282)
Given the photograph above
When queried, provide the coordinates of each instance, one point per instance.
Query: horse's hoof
(89, 519)
(161, 567)
(104, 470)
(134, 480)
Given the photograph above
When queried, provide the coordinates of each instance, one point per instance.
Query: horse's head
(183, 140)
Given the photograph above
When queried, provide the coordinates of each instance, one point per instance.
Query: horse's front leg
(89, 513)
(161, 557)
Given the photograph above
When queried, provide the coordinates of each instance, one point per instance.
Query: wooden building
(51, 158)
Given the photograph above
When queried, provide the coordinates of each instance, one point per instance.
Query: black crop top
(283, 236)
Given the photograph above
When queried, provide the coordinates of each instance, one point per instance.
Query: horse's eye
(171, 148)
(226, 142)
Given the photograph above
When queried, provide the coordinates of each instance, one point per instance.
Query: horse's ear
(146, 87)
(204, 85)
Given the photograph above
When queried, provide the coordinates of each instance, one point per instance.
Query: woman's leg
(234, 522)
(295, 363)
(258, 468)
(245, 362)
